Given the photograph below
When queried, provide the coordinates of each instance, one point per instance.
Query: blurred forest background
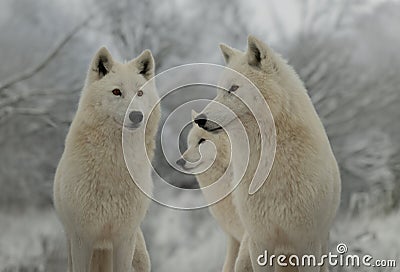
(345, 51)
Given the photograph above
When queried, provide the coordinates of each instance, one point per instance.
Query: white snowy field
(180, 241)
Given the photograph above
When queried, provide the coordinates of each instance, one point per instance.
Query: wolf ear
(101, 65)
(194, 114)
(145, 64)
(257, 51)
(227, 52)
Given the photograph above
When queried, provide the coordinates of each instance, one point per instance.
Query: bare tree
(32, 109)
(356, 101)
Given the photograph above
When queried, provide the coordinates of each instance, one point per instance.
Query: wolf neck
(100, 136)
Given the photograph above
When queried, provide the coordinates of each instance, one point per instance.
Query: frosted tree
(37, 94)
(356, 101)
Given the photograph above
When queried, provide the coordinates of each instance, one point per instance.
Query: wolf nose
(136, 117)
(181, 162)
(201, 120)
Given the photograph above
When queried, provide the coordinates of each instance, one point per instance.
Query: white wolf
(97, 201)
(293, 210)
(223, 211)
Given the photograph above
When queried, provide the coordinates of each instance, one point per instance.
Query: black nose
(181, 162)
(136, 117)
(201, 120)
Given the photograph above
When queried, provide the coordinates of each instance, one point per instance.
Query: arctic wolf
(211, 169)
(97, 201)
(293, 210)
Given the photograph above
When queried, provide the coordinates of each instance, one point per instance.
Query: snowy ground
(179, 241)
(33, 240)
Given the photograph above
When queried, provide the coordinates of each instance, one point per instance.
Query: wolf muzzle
(202, 121)
(135, 117)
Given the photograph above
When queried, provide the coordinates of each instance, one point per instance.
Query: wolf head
(110, 87)
(263, 68)
(203, 148)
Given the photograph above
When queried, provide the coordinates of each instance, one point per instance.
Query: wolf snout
(136, 117)
(181, 162)
(201, 120)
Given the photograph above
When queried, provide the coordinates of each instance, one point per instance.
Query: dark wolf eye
(202, 140)
(233, 88)
(117, 92)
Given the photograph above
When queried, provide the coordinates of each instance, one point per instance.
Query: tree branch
(28, 74)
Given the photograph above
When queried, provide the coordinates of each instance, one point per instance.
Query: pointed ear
(101, 65)
(227, 52)
(257, 51)
(194, 114)
(145, 64)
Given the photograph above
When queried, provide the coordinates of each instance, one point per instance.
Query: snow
(178, 240)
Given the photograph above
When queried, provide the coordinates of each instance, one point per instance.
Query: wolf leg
(243, 261)
(141, 258)
(232, 251)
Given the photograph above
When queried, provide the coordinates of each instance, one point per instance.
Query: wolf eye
(202, 140)
(117, 92)
(140, 93)
(233, 88)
